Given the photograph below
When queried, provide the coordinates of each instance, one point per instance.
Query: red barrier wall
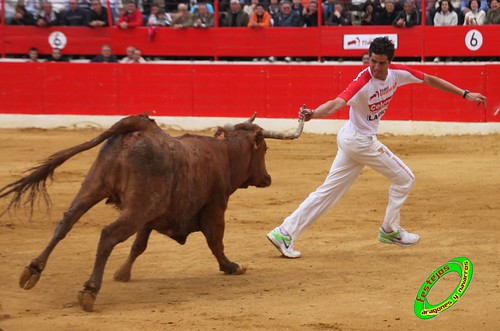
(325, 41)
(227, 90)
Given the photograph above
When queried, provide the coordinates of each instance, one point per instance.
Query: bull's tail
(26, 190)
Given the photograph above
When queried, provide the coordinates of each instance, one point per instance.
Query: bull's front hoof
(29, 278)
(235, 269)
(86, 300)
(122, 275)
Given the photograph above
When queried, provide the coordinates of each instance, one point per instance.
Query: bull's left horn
(282, 135)
(230, 127)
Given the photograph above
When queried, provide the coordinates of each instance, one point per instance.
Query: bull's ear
(219, 132)
(259, 139)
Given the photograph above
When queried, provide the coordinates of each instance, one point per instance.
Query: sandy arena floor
(346, 279)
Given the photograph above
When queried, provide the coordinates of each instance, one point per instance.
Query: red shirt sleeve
(418, 74)
(356, 85)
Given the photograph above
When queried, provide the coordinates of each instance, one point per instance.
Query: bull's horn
(282, 135)
(230, 127)
(252, 118)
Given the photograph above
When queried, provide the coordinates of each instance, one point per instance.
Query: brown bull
(172, 185)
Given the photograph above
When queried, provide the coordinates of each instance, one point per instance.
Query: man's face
(73, 5)
(106, 51)
(130, 52)
(365, 59)
(56, 53)
(182, 9)
(130, 8)
(286, 8)
(96, 5)
(33, 55)
(202, 9)
(389, 6)
(259, 10)
(379, 65)
(235, 6)
(47, 7)
(408, 7)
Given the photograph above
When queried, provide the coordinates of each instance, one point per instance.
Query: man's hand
(305, 113)
(478, 98)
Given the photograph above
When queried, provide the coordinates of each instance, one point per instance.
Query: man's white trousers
(355, 150)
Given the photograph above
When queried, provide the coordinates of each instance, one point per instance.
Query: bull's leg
(138, 247)
(212, 226)
(111, 235)
(80, 205)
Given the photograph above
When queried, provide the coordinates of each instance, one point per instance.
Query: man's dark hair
(381, 46)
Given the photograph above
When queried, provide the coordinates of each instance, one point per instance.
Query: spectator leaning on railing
(75, 16)
(445, 14)
(22, 16)
(286, 17)
(131, 18)
(310, 14)
(202, 17)
(408, 17)
(48, 16)
(98, 15)
(260, 18)
(158, 17)
(368, 17)
(387, 15)
(493, 15)
(475, 15)
(183, 18)
(235, 16)
(340, 15)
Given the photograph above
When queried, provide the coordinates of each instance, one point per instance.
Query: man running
(368, 96)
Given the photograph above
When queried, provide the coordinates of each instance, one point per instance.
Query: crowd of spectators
(178, 14)
(255, 14)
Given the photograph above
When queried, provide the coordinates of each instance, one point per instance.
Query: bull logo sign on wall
(57, 39)
(363, 41)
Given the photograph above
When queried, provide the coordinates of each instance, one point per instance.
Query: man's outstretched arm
(324, 110)
(446, 86)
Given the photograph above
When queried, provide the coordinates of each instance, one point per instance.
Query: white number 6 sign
(473, 40)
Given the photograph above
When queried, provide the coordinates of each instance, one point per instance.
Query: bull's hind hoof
(239, 271)
(235, 269)
(86, 300)
(122, 275)
(29, 278)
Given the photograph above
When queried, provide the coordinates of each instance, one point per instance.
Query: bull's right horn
(282, 135)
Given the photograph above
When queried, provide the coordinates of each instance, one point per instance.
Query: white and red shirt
(369, 97)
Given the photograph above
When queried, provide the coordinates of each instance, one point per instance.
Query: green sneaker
(283, 242)
(401, 237)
